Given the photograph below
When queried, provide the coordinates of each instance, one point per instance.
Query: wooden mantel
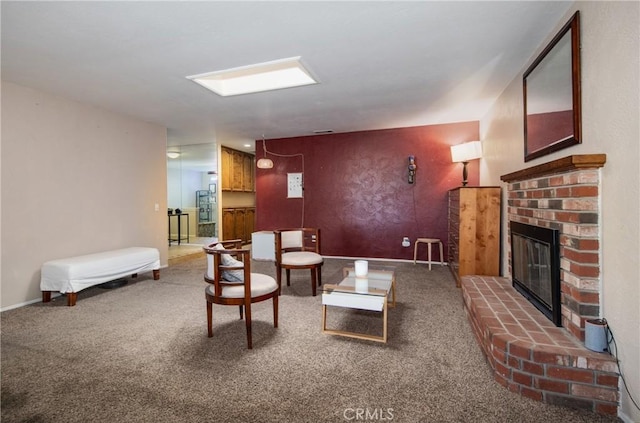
(579, 161)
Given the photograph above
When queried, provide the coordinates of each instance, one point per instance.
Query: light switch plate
(294, 185)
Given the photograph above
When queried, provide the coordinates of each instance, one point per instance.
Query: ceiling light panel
(268, 76)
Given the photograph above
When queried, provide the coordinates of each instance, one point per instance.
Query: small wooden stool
(428, 241)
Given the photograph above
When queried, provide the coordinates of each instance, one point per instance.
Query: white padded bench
(73, 274)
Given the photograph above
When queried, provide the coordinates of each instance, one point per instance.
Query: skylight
(275, 75)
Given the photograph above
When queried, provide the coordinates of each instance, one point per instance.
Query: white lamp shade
(265, 163)
(466, 152)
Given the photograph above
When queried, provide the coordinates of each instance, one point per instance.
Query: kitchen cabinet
(237, 170)
(226, 164)
(238, 223)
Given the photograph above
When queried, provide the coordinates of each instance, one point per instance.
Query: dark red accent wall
(356, 189)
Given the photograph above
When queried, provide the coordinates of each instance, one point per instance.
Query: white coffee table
(371, 293)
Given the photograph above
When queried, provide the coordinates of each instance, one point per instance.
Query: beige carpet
(140, 353)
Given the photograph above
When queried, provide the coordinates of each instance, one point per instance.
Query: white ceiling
(380, 64)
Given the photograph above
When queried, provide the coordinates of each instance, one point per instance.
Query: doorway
(192, 197)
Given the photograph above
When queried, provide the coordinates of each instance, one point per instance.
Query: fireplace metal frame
(550, 237)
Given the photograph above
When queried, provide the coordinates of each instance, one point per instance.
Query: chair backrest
(297, 239)
(234, 244)
(292, 239)
(227, 264)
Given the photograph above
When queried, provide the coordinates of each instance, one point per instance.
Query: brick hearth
(531, 356)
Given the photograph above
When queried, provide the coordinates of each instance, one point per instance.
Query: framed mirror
(551, 87)
(192, 172)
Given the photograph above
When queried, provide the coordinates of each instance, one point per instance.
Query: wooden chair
(232, 283)
(298, 248)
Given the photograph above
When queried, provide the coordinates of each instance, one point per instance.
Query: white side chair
(429, 242)
(298, 248)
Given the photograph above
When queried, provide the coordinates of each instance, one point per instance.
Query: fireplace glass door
(535, 265)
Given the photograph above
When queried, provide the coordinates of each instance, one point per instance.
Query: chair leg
(429, 254)
(288, 272)
(313, 281)
(275, 311)
(209, 319)
(319, 270)
(248, 323)
(279, 278)
(441, 255)
(240, 312)
(415, 252)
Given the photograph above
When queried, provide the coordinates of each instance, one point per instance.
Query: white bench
(73, 274)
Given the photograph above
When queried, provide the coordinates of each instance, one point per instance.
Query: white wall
(182, 185)
(75, 180)
(191, 182)
(0, 204)
(174, 188)
(610, 58)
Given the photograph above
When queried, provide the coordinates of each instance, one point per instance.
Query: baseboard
(626, 419)
(384, 259)
(26, 303)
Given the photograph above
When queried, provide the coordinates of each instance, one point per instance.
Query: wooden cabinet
(238, 223)
(226, 165)
(247, 172)
(249, 222)
(228, 224)
(237, 170)
(474, 231)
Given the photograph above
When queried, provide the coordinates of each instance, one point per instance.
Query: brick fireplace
(527, 352)
(565, 195)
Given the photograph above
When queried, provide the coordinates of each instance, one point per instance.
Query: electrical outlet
(405, 241)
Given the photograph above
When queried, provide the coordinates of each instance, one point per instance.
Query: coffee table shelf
(371, 293)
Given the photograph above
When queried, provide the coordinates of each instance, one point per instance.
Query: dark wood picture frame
(548, 128)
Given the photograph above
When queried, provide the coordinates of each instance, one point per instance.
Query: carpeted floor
(140, 353)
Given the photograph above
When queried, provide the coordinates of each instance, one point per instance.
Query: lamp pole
(464, 174)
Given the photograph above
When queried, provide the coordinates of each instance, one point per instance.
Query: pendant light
(264, 163)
